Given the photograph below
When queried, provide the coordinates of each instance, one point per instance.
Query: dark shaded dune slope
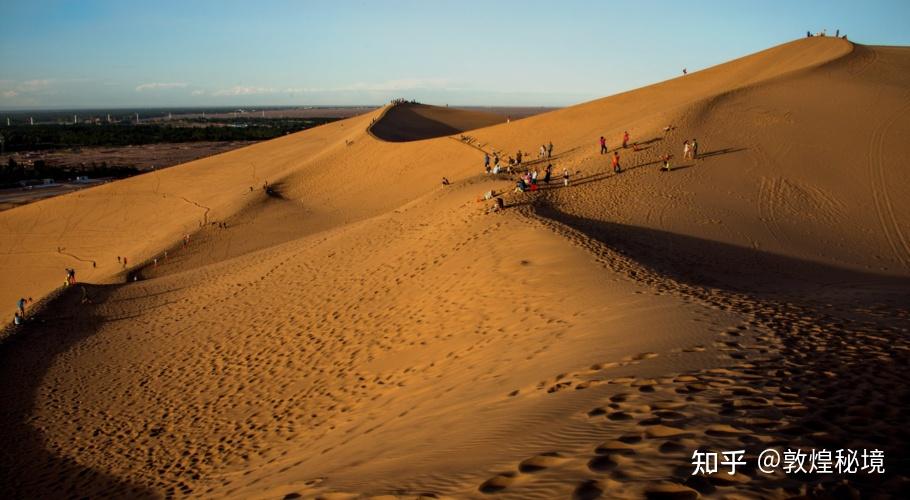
(414, 122)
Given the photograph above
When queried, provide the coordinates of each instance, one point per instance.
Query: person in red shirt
(625, 139)
(616, 167)
(603, 145)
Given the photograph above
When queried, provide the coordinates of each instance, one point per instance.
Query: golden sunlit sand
(358, 329)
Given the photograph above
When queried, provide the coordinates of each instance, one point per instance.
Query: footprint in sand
(666, 432)
(619, 416)
(640, 357)
(596, 412)
(602, 463)
(615, 447)
(670, 491)
(499, 482)
(540, 462)
(589, 490)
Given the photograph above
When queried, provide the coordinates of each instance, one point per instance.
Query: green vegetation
(11, 172)
(43, 137)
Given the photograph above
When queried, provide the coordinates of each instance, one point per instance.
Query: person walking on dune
(543, 152)
(565, 177)
(518, 157)
(666, 160)
(625, 139)
(549, 150)
(603, 145)
(616, 168)
(547, 173)
(687, 149)
(694, 149)
(486, 163)
(21, 306)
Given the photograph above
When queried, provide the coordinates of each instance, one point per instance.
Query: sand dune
(413, 122)
(358, 330)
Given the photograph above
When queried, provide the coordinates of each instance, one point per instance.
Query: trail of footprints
(809, 376)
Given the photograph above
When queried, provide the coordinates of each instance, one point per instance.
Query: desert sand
(359, 330)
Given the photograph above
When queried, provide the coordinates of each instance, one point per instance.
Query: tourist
(616, 167)
(21, 306)
(518, 157)
(603, 145)
(543, 151)
(547, 173)
(486, 162)
(687, 149)
(565, 177)
(666, 161)
(625, 139)
(445, 182)
(694, 149)
(549, 149)
(17, 319)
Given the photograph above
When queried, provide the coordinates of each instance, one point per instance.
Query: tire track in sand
(884, 208)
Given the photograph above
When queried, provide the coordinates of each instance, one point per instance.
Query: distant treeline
(12, 172)
(38, 137)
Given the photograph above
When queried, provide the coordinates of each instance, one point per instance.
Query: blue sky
(211, 53)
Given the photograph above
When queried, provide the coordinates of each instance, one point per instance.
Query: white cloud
(241, 90)
(197, 92)
(34, 84)
(10, 93)
(159, 86)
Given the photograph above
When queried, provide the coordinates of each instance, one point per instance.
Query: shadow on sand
(28, 469)
(707, 263)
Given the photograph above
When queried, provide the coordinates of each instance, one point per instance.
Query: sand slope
(358, 330)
